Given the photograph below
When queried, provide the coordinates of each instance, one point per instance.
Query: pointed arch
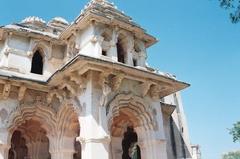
(134, 108)
(37, 62)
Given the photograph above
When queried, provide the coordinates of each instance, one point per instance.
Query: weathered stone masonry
(83, 90)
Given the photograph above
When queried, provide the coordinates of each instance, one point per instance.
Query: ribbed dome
(59, 20)
(33, 20)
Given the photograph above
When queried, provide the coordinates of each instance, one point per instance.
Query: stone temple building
(82, 90)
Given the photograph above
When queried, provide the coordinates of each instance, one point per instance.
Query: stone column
(4, 145)
(113, 48)
(97, 46)
(61, 148)
(94, 137)
(129, 46)
(4, 151)
(145, 143)
(142, 54)
(94, 143)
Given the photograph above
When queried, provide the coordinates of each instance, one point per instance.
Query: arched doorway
(130, 147)
(46, 134)
(29, 141)
(124, 137)
(129, 121)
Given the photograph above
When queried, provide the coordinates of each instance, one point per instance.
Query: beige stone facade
(83, 91)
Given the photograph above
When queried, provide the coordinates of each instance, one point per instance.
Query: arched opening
(107, 37)
(18, 146)
(120, 49)
(129, 120)
(124, 137)
(37, 63)
(69, 129)
(29, 141)
(130, 147)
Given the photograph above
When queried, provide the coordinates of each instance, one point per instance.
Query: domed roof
(33, 20)
(59, 20)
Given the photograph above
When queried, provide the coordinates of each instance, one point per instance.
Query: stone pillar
(4, 145)
(142, 59)
(158, 141)
(142, 54)
(4, 151)
(94, 137)
(95, 144)
(97, 46)
(113, 48)
(152, 141)
(145, 143)
(61, 148)
(129, 44)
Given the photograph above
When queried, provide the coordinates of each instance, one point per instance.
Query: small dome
(59, 20)
(33, 20)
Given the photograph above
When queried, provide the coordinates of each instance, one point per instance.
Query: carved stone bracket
(157, 91)
(116, 81)
(74, 84)
(154, 91)
(106, 87)
(145, 87)
(21, 92)
(6, 90)
(109, 84)
(58, 93)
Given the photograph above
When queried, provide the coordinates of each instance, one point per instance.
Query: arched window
(37, 63)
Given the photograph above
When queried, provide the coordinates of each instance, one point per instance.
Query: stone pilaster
(94, 137)
(4, 145)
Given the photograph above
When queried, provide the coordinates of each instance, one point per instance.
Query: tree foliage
(235, 132)
(232, 155)
(234, 7)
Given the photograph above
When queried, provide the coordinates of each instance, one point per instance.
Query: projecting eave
(89, 17)
(83, 64)
(21, 29)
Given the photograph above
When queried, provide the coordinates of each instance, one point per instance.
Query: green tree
(235, 132)
(232, 155)
(234, 7)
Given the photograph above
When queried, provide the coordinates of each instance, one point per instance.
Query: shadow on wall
(178, 145)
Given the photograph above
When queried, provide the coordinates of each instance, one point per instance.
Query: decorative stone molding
(38, 44)
(105, 139)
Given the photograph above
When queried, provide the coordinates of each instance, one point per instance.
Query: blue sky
(197, 43)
